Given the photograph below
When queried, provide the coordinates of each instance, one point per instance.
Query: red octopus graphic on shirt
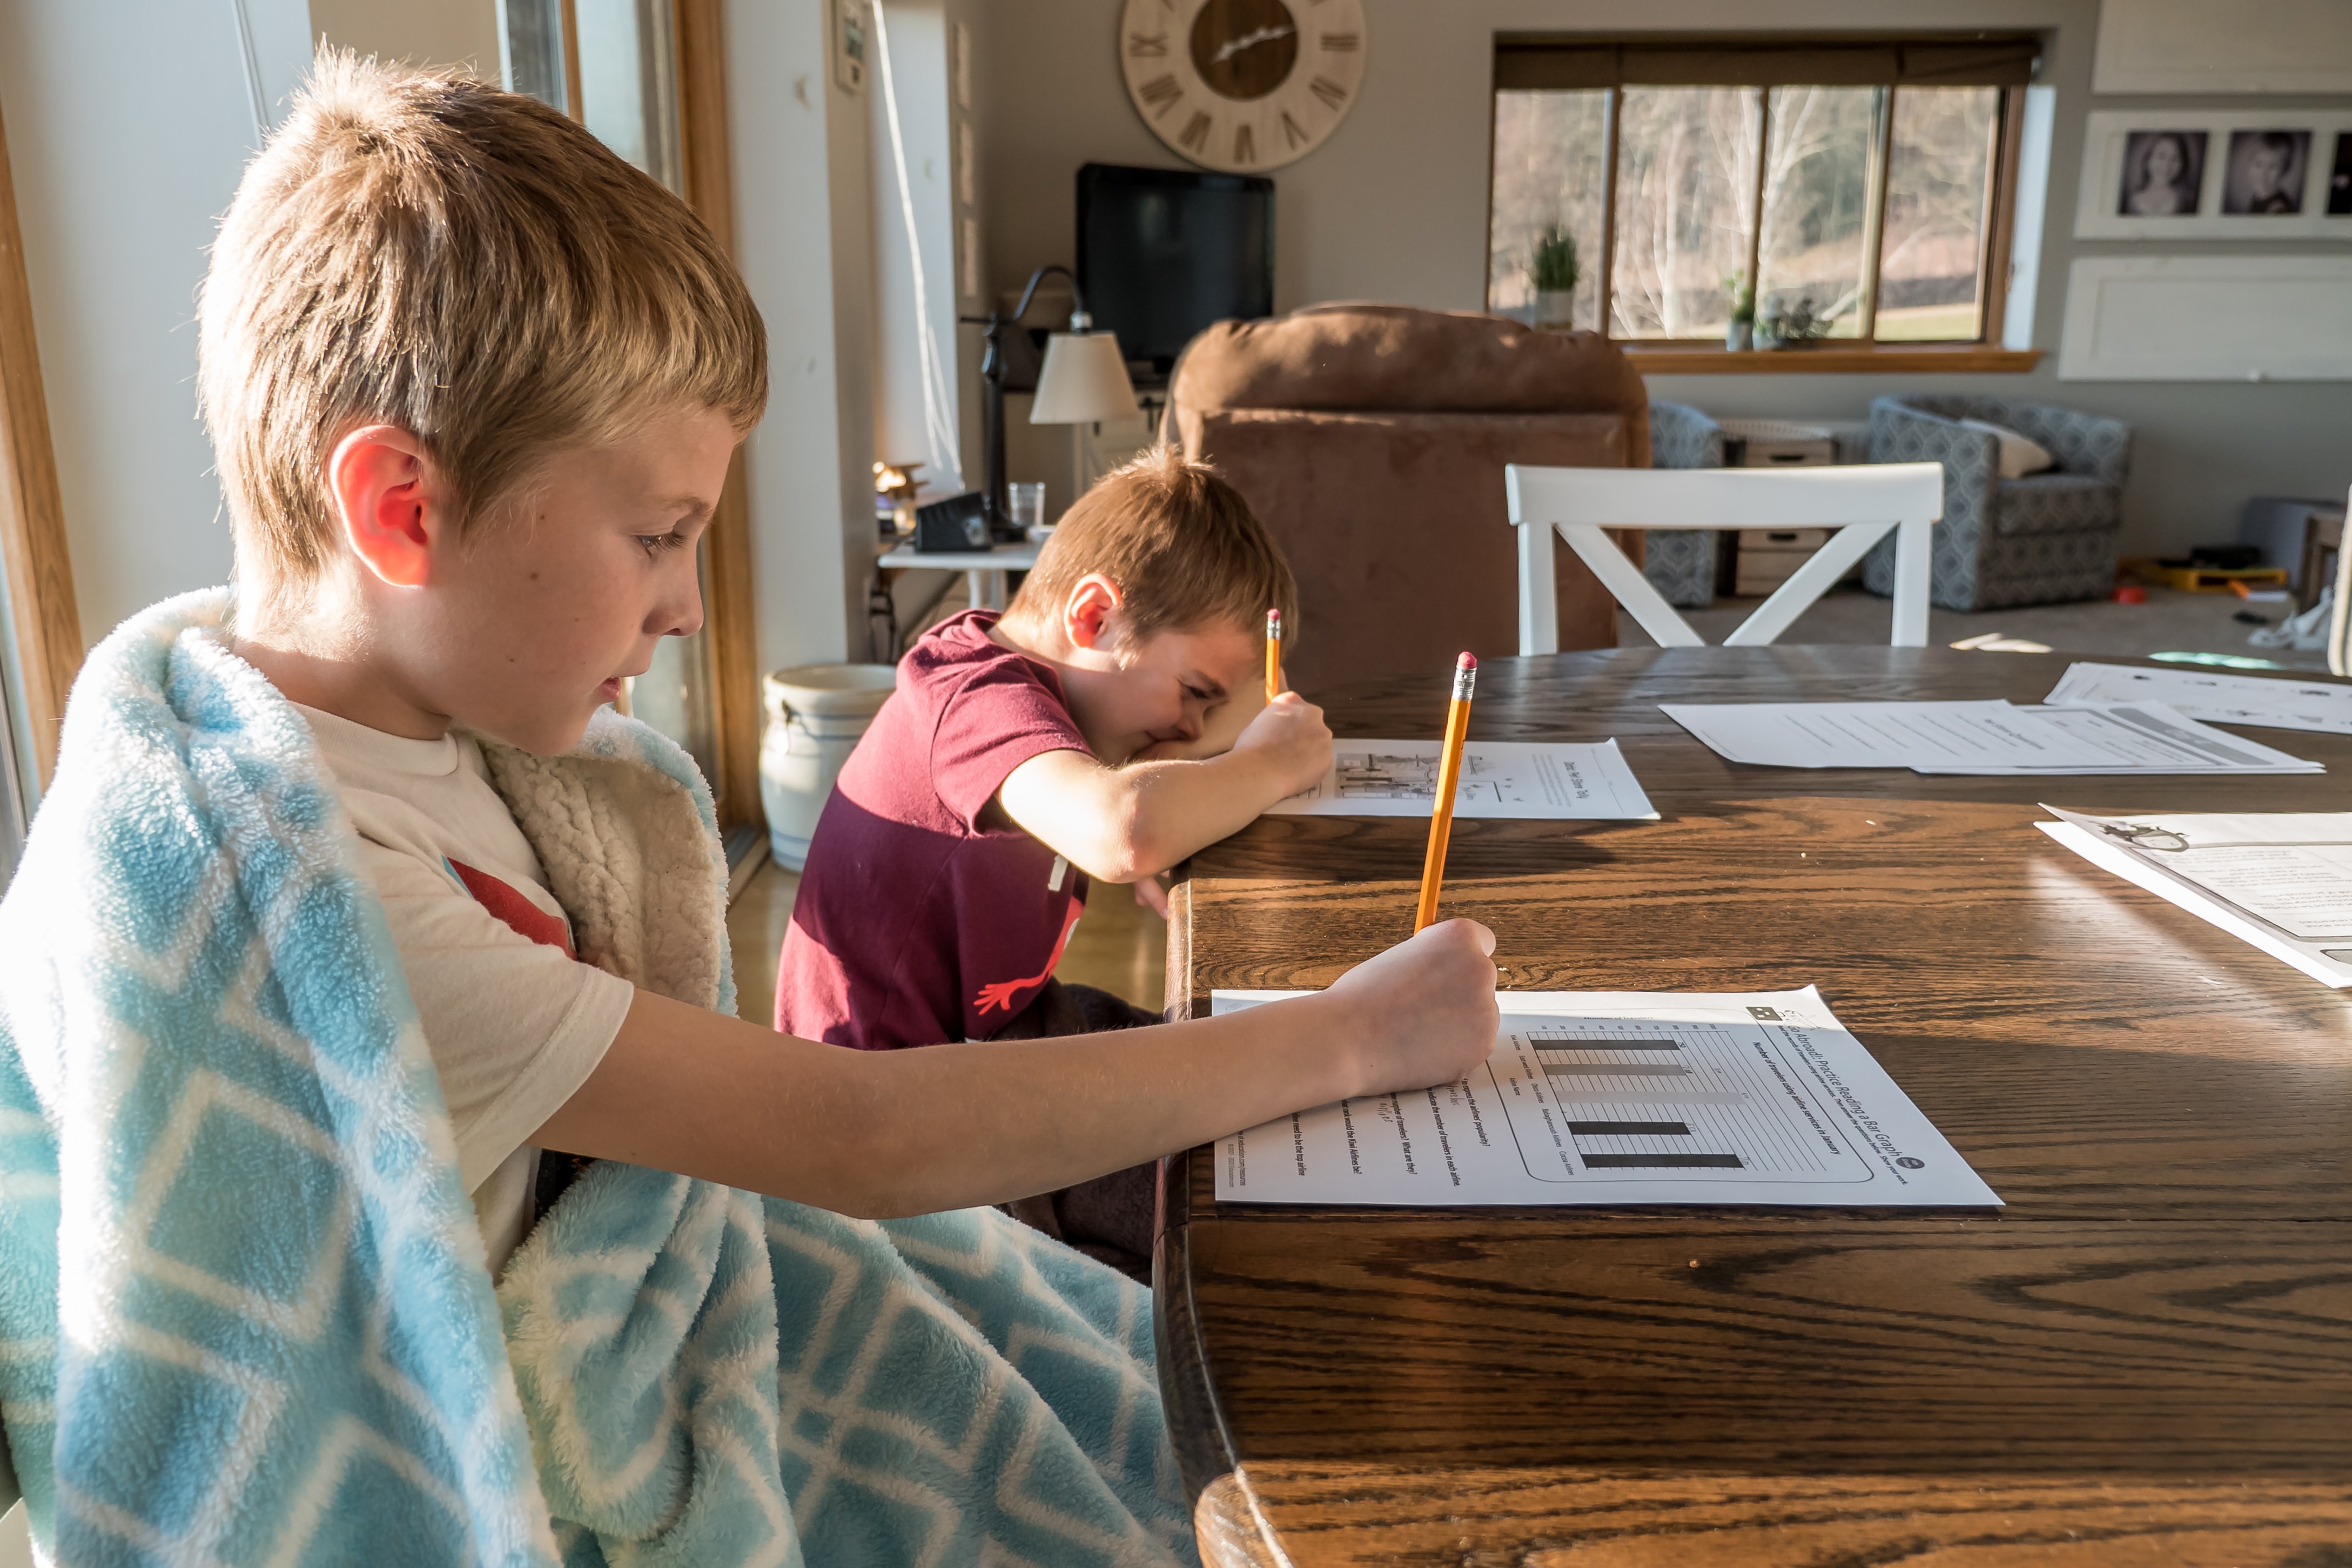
(1000, 993)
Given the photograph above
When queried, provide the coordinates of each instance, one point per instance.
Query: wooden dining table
(2145, 1358)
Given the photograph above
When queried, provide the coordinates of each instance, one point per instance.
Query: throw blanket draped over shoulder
(245, 1316)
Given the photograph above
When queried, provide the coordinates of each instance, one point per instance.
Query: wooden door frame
(698, 29)
(33, 548)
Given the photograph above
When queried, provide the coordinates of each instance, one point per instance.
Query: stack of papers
(1616, 1097)
(2277, 704)
(1499, 778)
(1976, 737)
(2279, 879)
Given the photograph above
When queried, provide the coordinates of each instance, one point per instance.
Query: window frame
(1540, 62)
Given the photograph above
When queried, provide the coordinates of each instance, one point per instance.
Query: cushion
(2018, 457)
(1398, 530)
(1358, 358)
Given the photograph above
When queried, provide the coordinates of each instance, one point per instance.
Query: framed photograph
(2216, 174)
(2266, 173)
(2164, 173)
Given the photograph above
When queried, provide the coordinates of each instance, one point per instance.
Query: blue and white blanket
(244, 1316)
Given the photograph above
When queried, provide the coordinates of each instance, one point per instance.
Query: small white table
(984, 570)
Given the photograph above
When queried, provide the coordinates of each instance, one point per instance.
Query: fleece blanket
(245, 1316)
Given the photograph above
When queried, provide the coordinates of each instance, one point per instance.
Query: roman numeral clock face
(1242, 86)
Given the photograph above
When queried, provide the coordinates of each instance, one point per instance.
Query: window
(1866, 184)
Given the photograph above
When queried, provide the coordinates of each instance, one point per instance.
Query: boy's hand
(1289, 735)
(1424, 1012)
(1150, 893)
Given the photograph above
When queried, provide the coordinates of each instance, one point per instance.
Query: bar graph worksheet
(1621, 1097)
(1499, 778)
(2280, 702)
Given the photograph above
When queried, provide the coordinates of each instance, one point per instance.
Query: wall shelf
(1958, 358)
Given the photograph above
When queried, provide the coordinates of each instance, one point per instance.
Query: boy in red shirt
(1021, 757)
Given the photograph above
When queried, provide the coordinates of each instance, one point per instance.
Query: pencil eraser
(1466, 662)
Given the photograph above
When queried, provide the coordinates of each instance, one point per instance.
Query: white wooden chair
(1864, 503)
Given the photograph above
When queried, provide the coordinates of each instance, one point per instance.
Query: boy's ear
(388, 500)
(1086, 612)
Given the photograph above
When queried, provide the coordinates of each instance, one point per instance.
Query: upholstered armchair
(1372, 439)
(2040, 539)
(1681, 564)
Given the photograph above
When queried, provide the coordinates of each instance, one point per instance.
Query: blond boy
(475, 383)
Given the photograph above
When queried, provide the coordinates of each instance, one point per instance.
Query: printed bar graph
(1628, 1130)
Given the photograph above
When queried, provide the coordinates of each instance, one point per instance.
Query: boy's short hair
(1184, 547)
(420, 248)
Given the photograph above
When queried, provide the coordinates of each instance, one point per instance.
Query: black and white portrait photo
(2340, 179)
(2267, 169)
(2163, 172)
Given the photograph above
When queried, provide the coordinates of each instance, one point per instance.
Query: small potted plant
(1554, 271)
(1739, 333)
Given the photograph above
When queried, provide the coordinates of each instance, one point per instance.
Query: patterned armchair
(2041, 539)
(1680, 564)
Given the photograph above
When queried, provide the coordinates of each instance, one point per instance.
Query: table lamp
(1083, 382)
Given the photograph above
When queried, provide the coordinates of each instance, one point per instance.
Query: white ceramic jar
(816, 715)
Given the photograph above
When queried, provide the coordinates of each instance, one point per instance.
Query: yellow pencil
(1449, 778)
(1272, 654)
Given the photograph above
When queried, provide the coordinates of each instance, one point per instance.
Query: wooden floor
(1120, 947)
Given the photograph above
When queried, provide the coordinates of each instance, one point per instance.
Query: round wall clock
(1242, 86)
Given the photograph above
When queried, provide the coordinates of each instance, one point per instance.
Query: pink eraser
(1466, 662)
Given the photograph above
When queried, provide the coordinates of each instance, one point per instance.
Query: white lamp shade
(1083, 382)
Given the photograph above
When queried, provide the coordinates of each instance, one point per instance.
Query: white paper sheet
(1975, 737)
(1621, 1097)
(1499, 778)
(2277, 703)
(2329, 963)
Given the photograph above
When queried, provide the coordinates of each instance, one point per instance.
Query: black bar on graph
(1615, 1070)
(1660, 1162)
(1628, 1130)
(1550, 1042)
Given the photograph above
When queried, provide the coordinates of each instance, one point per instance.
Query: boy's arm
(1120, 824)
(881, 1134)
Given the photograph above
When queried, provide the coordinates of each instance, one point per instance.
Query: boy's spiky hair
(422, 249)
(1184, 547)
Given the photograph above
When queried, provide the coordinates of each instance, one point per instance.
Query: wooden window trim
(32, 510)
(1538, 63)
(734, 654)
(1919, 358)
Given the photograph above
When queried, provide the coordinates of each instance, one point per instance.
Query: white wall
(804, 240)
(129, 125)
(1394, 207)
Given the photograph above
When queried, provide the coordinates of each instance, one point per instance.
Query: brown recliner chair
(1371, 440)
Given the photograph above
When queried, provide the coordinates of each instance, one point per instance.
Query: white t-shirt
(515, 1026)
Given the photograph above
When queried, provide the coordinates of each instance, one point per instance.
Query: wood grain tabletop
(2145, 1358)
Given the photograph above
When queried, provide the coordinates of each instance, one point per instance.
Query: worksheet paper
(1975, 737)
(1621, 1097)
(2279, 879)
(2283, 703)
(1499, 778)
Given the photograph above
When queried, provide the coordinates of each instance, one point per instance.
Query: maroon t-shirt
(925, 914)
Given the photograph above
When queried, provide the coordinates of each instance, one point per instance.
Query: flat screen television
(1163, 252)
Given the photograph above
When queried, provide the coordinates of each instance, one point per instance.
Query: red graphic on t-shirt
(527, 918)
(1000, 993)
